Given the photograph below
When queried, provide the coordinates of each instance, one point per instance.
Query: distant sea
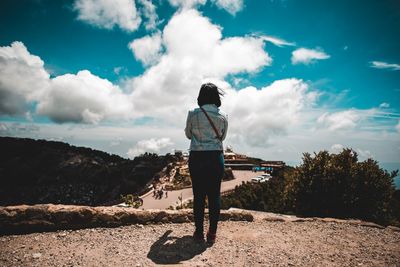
(389, 166)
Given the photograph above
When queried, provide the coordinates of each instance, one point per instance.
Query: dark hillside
(39, 171)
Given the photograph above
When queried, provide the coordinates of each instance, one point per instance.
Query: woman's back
(200, 131)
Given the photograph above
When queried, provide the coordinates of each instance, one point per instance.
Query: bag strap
(212, 124)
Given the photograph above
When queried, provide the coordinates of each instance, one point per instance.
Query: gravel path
(260, 243)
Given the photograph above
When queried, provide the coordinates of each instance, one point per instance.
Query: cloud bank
(169, 87)
(267, 112)
(84, 98)
(80, 98)
(173, 77)
(178, 63)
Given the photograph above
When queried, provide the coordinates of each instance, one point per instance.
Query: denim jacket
(201, 133)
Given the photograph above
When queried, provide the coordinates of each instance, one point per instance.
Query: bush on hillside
(269, 196)
(338, 185)
(326, 185)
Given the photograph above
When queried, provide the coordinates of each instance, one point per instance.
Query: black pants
(206, 170)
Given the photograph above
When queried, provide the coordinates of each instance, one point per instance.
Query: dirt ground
(259, 243)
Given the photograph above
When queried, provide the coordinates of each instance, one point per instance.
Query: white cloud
(169, 87)
(268, 112)
(188, 60)
(239, 54)
(384, 65)
(231, 6)
(307, 56)
(238, 81)
(186, 4)
(276, 41)
(3, 128)
(85, 98)
(116, 142)
(373, 119)
(384, 105)
(342, 120)
(277, 115)
(117, 70)
(336, 148)
(364, 154)
(22, 78)
(109, 13)
(147, 49)
(28, 116)
(152, 145)
(19, 129)
(149, 12)
(289, 147)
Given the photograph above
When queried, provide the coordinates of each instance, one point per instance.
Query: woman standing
(206, 127)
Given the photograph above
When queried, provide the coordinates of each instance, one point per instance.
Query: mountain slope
(39, 171)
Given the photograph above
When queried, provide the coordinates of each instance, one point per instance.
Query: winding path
(149, 202)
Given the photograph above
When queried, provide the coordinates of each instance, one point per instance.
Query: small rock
(36, 255)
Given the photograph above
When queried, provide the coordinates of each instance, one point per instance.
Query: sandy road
(149, 202)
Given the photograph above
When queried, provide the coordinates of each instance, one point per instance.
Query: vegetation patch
(325, 185)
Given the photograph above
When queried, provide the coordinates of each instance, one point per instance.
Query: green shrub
(326, 185)
(132, 200)
(338, 185)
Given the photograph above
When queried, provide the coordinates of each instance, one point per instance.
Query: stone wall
(49, 217)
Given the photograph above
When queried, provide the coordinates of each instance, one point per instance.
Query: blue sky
(300, 76)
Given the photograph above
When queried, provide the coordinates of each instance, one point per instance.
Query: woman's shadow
(172, 250)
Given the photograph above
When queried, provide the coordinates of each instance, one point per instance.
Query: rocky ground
(264, 242)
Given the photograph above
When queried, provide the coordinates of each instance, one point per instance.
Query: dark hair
(209, 94)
